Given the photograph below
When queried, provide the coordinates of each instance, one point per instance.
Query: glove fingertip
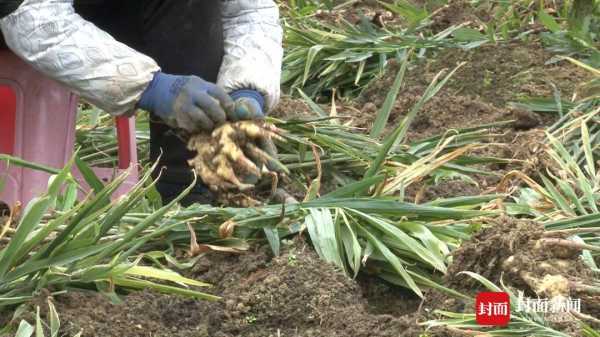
(227, 103)
(248, 109)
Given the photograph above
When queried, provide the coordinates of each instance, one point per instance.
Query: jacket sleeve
(55, 40)
(253, 48)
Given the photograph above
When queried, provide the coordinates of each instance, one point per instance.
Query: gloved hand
(187, 102)
(249, 105)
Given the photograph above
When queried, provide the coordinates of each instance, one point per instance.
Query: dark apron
(7, 7)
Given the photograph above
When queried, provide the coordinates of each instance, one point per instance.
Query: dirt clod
(488, 250)
(295, 294)
(518, 253)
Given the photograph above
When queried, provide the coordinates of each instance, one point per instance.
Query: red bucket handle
(8, 117)
(126, 142)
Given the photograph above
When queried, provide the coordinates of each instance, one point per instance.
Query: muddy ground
(295, 294)
(512, 252)
(481, 92)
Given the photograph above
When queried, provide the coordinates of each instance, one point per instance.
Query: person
(192, 64)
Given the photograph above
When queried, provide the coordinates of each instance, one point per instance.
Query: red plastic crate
(37, 124)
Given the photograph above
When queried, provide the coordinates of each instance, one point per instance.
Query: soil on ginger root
(486, 252)
(510, 247)
(296, 294)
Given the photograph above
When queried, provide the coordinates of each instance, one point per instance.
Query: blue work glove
(249, 105)
(187, 102)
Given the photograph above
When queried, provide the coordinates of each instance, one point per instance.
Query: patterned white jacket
(55, 40)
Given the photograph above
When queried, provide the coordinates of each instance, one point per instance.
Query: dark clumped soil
(511, 252)
(481, 91)
(295, 294)
(457, 12)
(370, 10)
(486, 252)
(511, 246)
(299, 295)
(508, 253)
(291, 109)
(386, 299)
(449, 189)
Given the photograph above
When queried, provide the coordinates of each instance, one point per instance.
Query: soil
(295, 294)
(290, 109)
(510, 252)
(481, 91)
(444, 189)
(361, 10)
(486, 252)
(457, 12)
